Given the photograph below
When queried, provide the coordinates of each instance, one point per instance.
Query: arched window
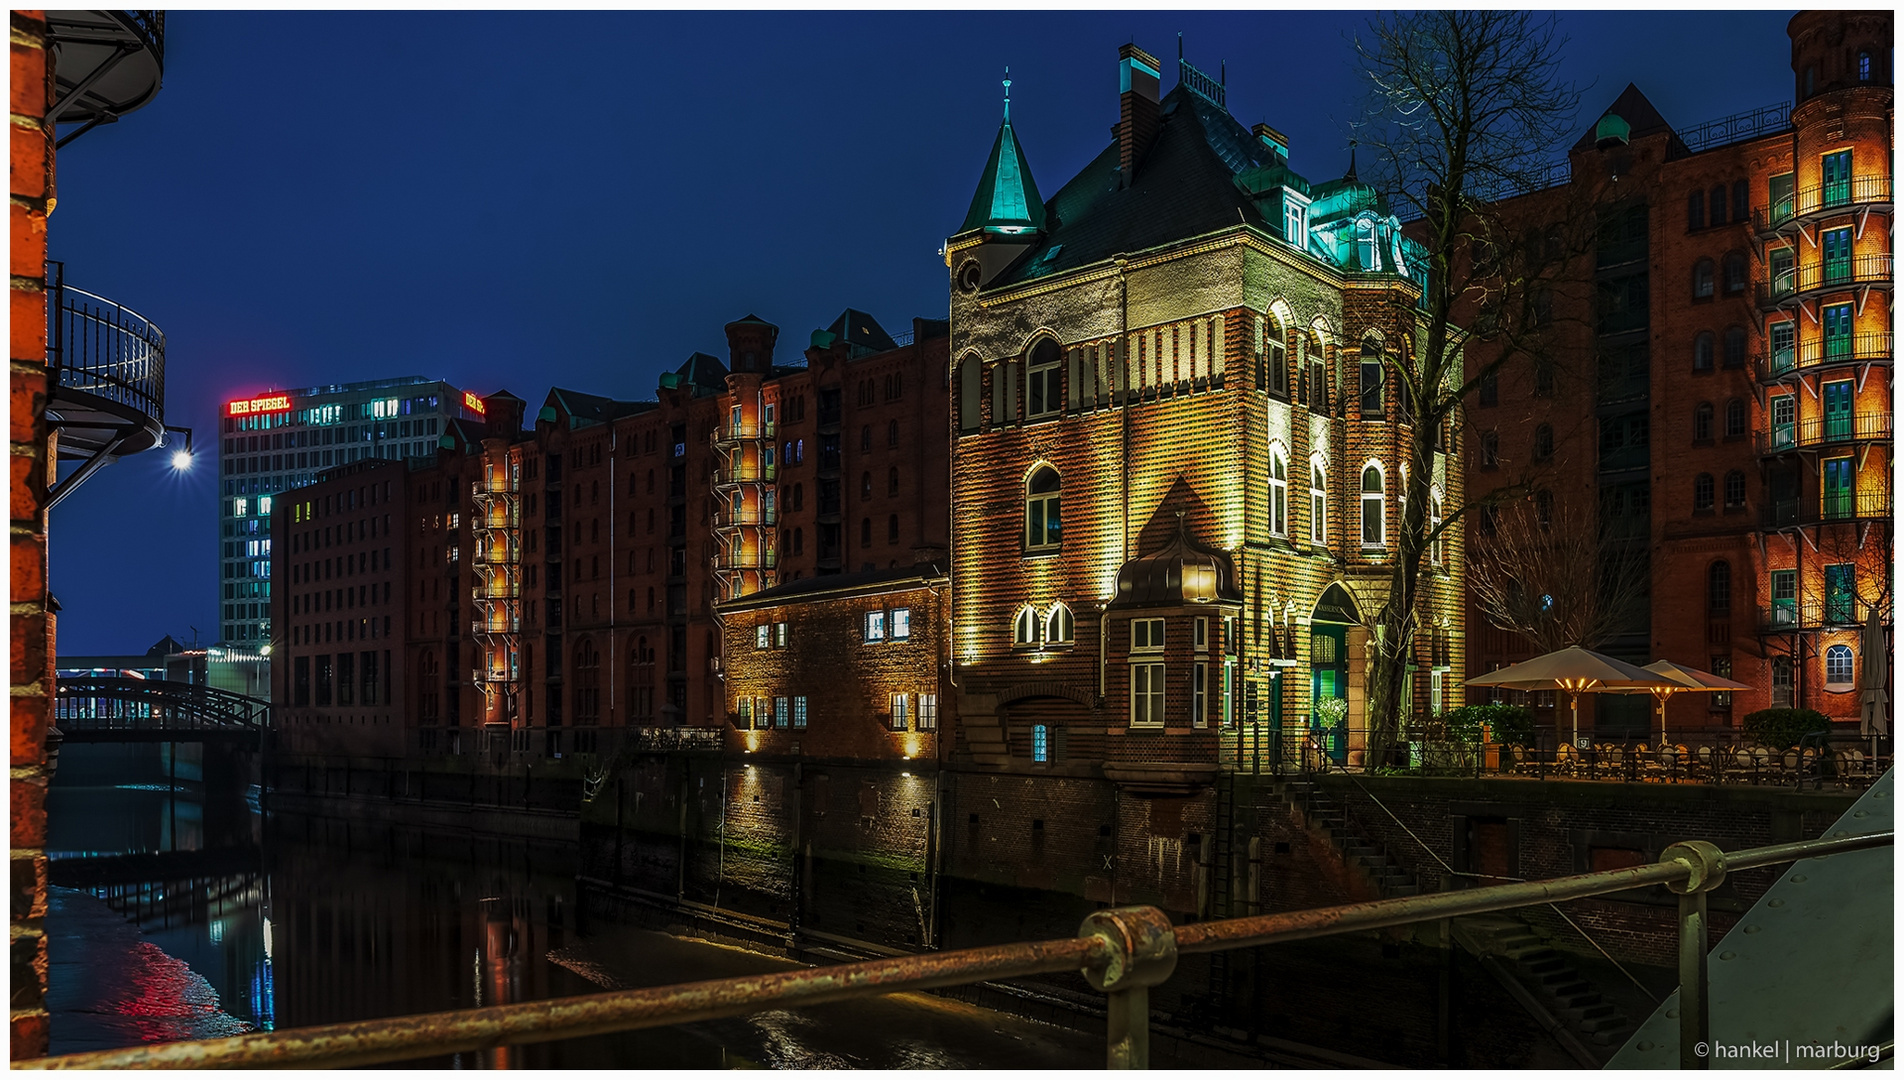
(1043, 523)
(1543, 442)
(1838, 666)
(1702, 492)
(1544, 509)
(1718, 208)
(1781, 682)
(1734, 273)
(1702, 351)
(1702, 280)
(1059, 625)
(1044, 372)
(1318, 377)
(970, 387)
(1434, 522)
(1372, 377)
(1373, 533)
(1276, 355)
(1719, 588)
(866, 485)
(1702, 422)
(1005, 393)
(892, 480)
(1735, 489)
(1735, 418)
(1318, 505)
(1735, 347)
(1864, 66)
(1490, 449)
(1695, 211)
(1025, 628)
(1278, 494)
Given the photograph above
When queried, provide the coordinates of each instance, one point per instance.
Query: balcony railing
(495, 626)
(1842, 197)
(498, 555)
(1817, 431)
(725, 434)
(497, 590)
(1812, 278)
(1846, 612)
(746, 474)
(103, 348)
(1836, 352)
(499, 485)
(750, 515)
(745, 560)
(1791, 513)
(1120, 952)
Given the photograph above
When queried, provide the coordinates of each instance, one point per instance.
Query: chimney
(1273, 139)
(1139, 115)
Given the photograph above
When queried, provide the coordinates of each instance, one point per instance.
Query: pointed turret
(1007, 199)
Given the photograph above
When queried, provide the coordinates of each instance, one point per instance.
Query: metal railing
(1846, 612)
(1823, 275)
(1864, 506)
(683, 738)
(756, 473)
(102, 347)
(1848, 351)
(1738, 127)
(1840, 197)
(730, 432)
(1825, 431)
(745, 560)
(1122, 952)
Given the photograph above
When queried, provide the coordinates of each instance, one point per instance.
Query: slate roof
(1006, 197)
(1184, 186)
(592, 408)
(1639, 113)
(703, 374)
(861, 331)
(858, 581)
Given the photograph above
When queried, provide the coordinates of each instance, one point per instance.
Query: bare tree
(1556, 574)
(1465, 108)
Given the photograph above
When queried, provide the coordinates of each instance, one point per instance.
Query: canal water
(181, 915)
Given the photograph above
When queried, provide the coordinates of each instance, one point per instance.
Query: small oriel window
(1147, 635)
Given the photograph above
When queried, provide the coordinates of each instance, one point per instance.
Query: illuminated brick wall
(32, 625)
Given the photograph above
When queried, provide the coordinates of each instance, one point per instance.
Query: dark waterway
(184, 915)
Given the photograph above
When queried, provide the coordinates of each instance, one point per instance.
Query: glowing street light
(181, 460)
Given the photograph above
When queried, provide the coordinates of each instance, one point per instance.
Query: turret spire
(1007, 200)
(1008, 93)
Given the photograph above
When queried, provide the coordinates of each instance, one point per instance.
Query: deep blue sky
(583, 199)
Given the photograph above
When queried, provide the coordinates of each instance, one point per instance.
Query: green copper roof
(1007, 199)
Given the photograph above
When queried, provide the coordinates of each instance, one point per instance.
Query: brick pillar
(32, 682)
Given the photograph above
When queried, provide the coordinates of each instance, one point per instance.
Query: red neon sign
(268, 404)
(473, 403)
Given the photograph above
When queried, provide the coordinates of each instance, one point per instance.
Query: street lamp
(182, 457)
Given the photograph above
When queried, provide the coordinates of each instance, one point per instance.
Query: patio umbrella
(1577, 671)
(1874, 703)
(1686, 679)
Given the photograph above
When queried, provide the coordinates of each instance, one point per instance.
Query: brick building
(567, 567)
(1730, 404)
(341, 608)
(1177, 450)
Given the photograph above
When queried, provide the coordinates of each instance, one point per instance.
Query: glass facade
(282, 440)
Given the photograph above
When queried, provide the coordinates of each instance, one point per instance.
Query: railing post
(1707, 864)
(1143, 953)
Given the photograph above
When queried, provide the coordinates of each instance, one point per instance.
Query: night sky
(520, 200)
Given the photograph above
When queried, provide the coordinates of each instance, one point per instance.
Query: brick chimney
(1138, 114)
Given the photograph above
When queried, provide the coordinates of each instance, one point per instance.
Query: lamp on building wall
(182, 457)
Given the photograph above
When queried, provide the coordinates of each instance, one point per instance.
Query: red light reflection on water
(165, 1000)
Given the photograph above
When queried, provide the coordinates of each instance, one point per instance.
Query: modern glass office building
(283, 439)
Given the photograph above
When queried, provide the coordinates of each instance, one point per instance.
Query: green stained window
(1837, 175)
(1839, 488)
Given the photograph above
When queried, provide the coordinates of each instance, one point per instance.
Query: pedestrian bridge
(90, 709)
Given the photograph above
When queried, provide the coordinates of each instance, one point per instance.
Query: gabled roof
(166, 646)
(583, 409)
(1006, 197)
(1632, 107)
(1184, 187)
(700, 373)
(861, 331)
(860, 582)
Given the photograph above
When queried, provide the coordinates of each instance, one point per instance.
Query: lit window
(900, 709)
(800, 712)
(1058, 625)
(1040, 743)
(1278, 495)
(780, 635)
(928, 712)
(875, 626)
(1025, 628)
(1721, 666)
(1147, 695)
(780, 712)
(763, 636)
(1043, 391)
(1838, 666)
(745, 708)
(1318, 506)
(1200, 695)
(1372, 507)
(1434, 522)
(899, 625)
(1043, 524)
(1371, 378)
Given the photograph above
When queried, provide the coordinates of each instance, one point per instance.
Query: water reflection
(176, 935)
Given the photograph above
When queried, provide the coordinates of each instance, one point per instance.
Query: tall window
(1372, 506)
(1718, 200)
(1702, 492)
(1059, 625)
(1040, 744)
(1735, 418)
(901, 711)
(1371, 378)
(1025, 628)
(1702, 351)
(928, 712)
(1147, 694)
(1838, 666)
(1734, 273)
(1735, 347)
(1543, 442)
(1702, 422)
(970, 376)
(1318, 506)
(1490, 449)
(1782, 682)
(1276, 356)
(1278, 495)
(1734, 490)
(1005, 393)
(1043, 524)
(1044, 370)
(1696, 211)
(1719, 588)
(1434, 522)
(1702, 278)
(1318, 378)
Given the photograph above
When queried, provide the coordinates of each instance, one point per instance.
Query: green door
(1838, 178)
(1838, 410)
(1841, 589)
(1784, 413)
(1784, 598)
(1329, 678)
(1837, 245)
(1839, 488)
(1837, 332)
(1783, 335)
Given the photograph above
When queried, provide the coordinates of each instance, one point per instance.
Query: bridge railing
(96, 703)
(1120, 951)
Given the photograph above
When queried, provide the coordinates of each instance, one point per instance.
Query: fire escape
(497, 626)
(745, 513)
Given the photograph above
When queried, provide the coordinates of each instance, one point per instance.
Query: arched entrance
(1329, 623)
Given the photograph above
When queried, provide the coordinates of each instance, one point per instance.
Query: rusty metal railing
(1120, 951)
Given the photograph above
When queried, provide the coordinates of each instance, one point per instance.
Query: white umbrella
(1686, 679)
(1577, 671)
